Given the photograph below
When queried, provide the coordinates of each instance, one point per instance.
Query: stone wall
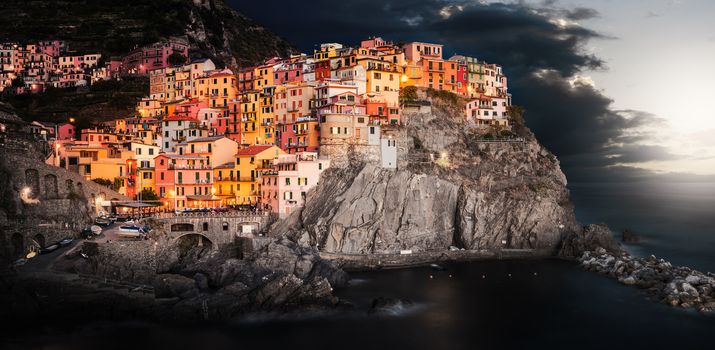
(40, 203)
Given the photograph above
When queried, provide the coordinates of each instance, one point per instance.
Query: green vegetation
(148, 194)
(117, 184)
(446, 96)
(103, 182)
(408, 93)
(103, 100)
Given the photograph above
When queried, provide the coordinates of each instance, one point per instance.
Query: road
(44, 262)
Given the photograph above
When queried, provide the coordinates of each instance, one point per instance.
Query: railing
(194, 182)
(226, 178)
(228, 214)
(189, 167)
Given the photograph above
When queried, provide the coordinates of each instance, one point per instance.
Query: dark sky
(542, 58)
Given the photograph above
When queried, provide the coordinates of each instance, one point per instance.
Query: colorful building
(285, 185)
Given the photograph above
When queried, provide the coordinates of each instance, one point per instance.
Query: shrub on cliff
(103, 182)
(408, 93)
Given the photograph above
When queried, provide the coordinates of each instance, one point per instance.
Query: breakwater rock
(678, 286)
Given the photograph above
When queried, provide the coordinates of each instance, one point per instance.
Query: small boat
(96, 230)
(437, 267)
(31, 255)
(130, 228)
(134, 231)
(65, 242)
(49, 249)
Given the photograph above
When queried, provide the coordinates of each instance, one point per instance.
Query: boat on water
(96, 230)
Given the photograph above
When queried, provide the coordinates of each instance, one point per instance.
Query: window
(225, 226)
(205, 226)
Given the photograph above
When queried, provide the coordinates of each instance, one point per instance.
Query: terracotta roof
(228, 165)
(207, 139)
(252, 150)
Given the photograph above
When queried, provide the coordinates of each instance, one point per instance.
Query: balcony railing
(188, 167)
(194, 182)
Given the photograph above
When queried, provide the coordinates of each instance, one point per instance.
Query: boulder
(597, 238)
(171, 285)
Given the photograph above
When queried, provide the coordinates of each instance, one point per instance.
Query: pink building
(183, 181)
(288, 72)
(153, 56)
(66, 131)
(284, 188)
(487, 110)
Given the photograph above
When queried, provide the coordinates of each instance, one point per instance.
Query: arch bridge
(218, 228)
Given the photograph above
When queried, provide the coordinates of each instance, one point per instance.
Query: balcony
(194, 182)
(225, 178)
(188, 167)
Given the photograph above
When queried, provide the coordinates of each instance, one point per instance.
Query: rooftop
(252, 150)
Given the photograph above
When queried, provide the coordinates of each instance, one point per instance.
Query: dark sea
(485, 305)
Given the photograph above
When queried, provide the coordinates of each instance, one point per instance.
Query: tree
(176, 59)
(148, 194)
(118, 182)
(408, 93)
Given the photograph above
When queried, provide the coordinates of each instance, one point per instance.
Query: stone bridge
(218, 228)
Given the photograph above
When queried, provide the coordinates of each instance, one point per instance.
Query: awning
(203, 198)
(136, 204)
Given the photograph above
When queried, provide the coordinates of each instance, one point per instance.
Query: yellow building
(226, 184)
(250, 162)
(250, 107)
(263, 76)
(266, 121)
(96, 162)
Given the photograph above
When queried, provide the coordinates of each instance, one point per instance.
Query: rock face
(451, 188)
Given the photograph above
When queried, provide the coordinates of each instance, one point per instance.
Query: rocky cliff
(115, 27)
(455, 186)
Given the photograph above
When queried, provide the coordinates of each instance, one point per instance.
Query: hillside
(116, 27)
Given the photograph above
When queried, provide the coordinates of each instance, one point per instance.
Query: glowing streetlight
(404, 78)
(71, 120)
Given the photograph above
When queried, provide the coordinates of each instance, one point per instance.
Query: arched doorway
(39, 240)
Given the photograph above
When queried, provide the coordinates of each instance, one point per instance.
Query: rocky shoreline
(678, 286)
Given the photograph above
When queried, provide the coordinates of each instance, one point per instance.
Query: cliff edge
(455, 186)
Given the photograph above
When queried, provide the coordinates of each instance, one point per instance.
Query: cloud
(542, 49)
(652, 14)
